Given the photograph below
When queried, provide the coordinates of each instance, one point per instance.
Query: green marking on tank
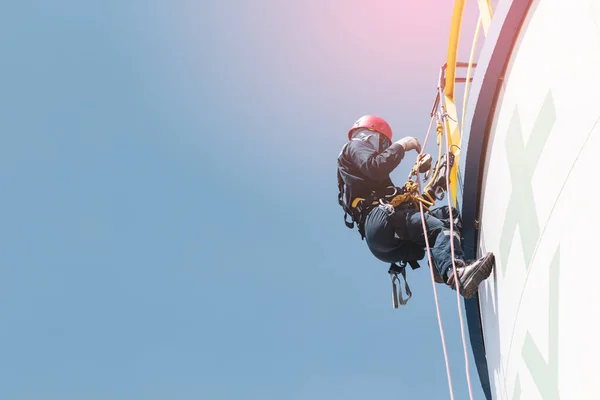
(522, 163)
(521, 214)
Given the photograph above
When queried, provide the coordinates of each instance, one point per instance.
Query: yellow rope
(410, 195)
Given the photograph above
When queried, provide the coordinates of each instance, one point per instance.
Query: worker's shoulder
(357, 145)
(351, 147)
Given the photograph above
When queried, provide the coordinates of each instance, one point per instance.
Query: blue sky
(169, 225)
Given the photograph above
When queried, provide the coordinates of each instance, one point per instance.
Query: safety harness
(360, 207)
(358, 210)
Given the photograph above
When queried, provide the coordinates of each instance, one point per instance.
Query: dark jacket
(364, 170)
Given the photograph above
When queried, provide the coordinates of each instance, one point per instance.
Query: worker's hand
(410, 143)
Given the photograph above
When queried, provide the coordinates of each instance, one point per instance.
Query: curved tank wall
(537, 212)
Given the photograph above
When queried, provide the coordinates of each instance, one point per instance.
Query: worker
(395, 234)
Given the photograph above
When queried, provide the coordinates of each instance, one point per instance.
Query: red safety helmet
(372, 123)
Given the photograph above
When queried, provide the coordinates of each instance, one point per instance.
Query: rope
(456, 281)
(437, 304)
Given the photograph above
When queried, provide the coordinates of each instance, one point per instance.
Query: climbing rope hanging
(433, 283)
(413, 192)
(443, 121)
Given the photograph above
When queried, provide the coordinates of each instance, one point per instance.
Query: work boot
(471, 275)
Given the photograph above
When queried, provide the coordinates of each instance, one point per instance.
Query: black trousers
(399, 237)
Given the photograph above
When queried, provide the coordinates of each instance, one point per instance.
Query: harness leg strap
(397, 297)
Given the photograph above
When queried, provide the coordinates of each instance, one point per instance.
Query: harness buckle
(387, 207)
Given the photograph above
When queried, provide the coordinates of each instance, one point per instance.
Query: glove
(410, 143)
